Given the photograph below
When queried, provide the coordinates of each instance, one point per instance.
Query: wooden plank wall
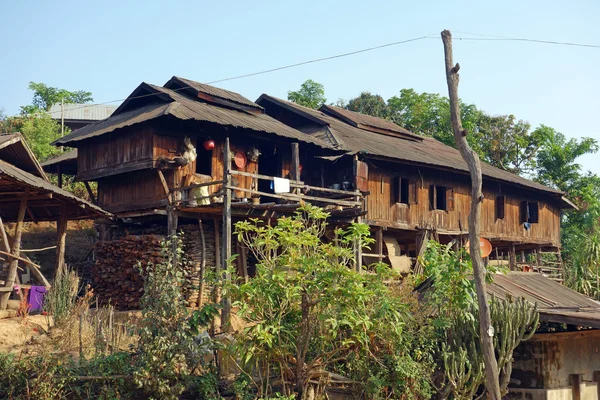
(383, 210)
(132, 191)
(114, 151)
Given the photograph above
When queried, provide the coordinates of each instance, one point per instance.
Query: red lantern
(209, 144)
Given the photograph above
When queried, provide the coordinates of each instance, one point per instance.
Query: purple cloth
(36, 297)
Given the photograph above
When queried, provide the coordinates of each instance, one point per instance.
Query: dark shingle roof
(428, 151)
(169, 102)
(177, 82)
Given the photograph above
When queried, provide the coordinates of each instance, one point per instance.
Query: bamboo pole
(12, 270)
(486, 330)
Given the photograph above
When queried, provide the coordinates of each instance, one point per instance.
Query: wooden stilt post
(538, 257)
(16, 249)
(60, 178)
(172, 221)
(202, 264)
(379, 242)
(226, 311)
(575, 380)
(357, 243)
(295, 163)
(512, 257)
(61, 241)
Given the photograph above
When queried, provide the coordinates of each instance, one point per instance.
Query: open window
(405, 191)
(204, 161)
(530, 212)
(500, 204)
(441, 198)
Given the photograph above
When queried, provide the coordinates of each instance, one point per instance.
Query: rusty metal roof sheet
(166, 102)
(178, 83)
(427, 152)
(556, 302)
(14, 150)
(40, 208)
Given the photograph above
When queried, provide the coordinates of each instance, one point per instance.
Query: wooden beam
(35, 269)
(295, 161)
(575, 381)
(12, 271)
(61, 240)
(172, 222)
(90, 193)
(165, 185)
(202, 264)
(226, 311)
(60, 177)
(19, 199)
(512, 257)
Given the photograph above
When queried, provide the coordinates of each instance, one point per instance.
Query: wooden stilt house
(419, 188)
(194, 157)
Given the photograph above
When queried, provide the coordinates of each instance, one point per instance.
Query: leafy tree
(308, 311)
(39, 130)
(369, 104)
(311, 94)
(451, 298)
(45, 96)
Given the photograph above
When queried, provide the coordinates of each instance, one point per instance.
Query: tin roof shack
(560, 365)
(27, 195)
(417, 186)
(193, 152)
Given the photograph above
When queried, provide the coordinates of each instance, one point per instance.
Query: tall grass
(61, 299)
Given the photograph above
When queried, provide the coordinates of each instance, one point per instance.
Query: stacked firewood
(115, 275)
(192, 244)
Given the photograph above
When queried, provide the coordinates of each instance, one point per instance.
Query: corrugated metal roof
(67, 162)
(428, 151)
(14, 150)
(82, 112)
(178, 83)
(181, 107)
(82, 209)
(358, 119)
(555, 302)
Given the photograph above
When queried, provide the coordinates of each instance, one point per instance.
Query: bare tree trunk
(486, 331)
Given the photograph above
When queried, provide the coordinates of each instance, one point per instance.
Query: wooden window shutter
(362, 176)
(432, 197)
(413, 192)
(450, 199)
(500, 201)
(524, 211)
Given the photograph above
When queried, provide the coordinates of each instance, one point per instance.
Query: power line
(272, 69)
(483, 37)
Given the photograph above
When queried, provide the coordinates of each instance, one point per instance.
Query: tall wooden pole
(16, 250)
(61, 240)
(226, 252)
(486, 330)
(172, 222)
(295, 164)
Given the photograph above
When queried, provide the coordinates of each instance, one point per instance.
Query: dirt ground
(16, 333)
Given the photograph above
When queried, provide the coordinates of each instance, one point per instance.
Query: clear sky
(109, 47)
